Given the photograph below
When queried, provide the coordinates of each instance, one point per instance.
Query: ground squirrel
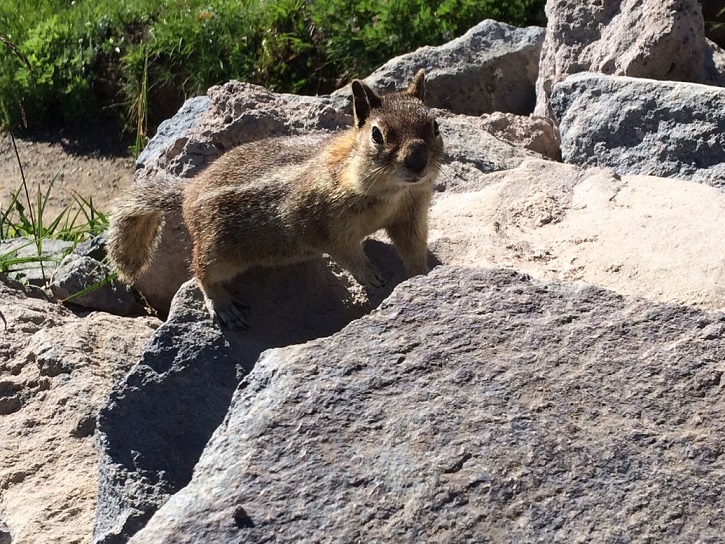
(288, 199)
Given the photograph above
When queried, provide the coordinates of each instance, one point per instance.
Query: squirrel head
(397, 138)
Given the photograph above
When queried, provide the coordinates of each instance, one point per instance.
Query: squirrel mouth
(413, 179)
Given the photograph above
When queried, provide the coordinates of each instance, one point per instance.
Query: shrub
(94, 58)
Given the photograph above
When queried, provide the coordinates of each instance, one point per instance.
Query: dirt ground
(94, 162)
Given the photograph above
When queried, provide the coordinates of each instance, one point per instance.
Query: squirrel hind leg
(223, 308)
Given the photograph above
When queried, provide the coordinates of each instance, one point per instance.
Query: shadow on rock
(158, 420)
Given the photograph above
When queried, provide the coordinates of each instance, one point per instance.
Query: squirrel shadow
(294, 304)
(157, 421)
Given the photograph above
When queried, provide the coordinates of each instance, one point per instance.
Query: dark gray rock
(159, 415)
(77, 273)
(492, 67)
(638, 126)
(474, 403)
(5, 536)
(157, 421)
(713, 70)
(95, 247)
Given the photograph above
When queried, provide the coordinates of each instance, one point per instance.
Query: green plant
(717, 22)
(17, 220)
(139, 59)
(72, 225)
(139, 112)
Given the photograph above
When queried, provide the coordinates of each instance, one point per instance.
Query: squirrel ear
(364, 99)
(417, 85)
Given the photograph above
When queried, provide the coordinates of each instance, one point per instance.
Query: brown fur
(285, 200)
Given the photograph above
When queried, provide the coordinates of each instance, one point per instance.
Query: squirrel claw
(377, 282)
(371, 277)
(230, 316)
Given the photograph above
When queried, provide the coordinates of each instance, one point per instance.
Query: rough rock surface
(638, 126)
(55, 370)
(492, 67)
(236, 112)
(713, 70)
(182, 387)
(95, 247)
(537, 134)
(639, 235)
(654, 39)
(474, 403)
(76, 273)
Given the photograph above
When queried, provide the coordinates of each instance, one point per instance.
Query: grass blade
(93, 287)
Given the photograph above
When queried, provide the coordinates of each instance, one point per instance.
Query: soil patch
(93, 162)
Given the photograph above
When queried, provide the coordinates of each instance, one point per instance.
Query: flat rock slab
(645, 236)
(474, 405)
(638, 126)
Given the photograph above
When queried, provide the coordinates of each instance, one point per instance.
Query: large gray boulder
(473, 403)
(492, 67)
(654, 39)
(180, 391)
(638, 126)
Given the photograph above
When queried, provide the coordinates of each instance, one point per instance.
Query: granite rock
(636, 126)
(492, 67)
(77, 273)
(473, 403)
(652, 39)
(56, 369)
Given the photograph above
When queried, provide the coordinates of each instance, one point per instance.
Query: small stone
(77, 273)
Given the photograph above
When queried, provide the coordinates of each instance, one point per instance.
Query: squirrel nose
(417, 157)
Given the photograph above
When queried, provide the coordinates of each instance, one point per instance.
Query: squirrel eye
(436, 130)
(377, 136)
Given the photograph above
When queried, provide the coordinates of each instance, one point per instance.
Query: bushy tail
(136, 225)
